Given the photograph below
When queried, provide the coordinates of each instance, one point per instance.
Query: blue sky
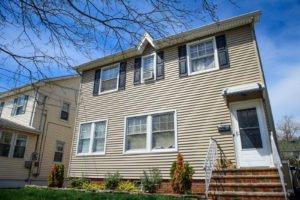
(278, 35)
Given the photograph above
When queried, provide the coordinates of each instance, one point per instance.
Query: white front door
(250, 130)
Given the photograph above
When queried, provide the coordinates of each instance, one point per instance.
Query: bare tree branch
(39, 35)
(288, 128)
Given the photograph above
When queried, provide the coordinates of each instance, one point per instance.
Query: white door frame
(265, 137)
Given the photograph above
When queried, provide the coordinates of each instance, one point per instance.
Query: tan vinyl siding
(13, 168)
(197, 100)
(24, 119)
(56, 129)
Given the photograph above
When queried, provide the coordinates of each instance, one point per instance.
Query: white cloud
(285, 95)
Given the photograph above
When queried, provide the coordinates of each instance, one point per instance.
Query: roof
(7, 124)
(36, 84)
(209, 29)
(242, 89)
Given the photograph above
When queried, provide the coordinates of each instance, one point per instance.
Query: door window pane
(249, 128)
(163, 134)
(5, 141)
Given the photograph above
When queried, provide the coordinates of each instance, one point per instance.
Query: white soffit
(246, 88)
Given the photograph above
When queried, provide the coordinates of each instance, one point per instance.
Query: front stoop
(246, 184)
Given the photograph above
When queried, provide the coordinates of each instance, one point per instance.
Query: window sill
(108, 92)
(150, 152)
(203, 72)
(90, 154)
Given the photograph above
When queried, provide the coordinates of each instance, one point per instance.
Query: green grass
(51, 194)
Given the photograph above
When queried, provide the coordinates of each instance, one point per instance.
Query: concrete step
(246, 187)
(224, 195)
(245, 179)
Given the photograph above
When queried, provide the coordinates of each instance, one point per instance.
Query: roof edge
(212, 28)
(38, 83)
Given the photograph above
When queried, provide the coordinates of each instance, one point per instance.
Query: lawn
(51, 194)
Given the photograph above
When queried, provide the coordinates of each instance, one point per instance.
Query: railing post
(208, 167)
(277, 163)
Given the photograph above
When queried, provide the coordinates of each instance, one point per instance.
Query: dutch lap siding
(197, 100)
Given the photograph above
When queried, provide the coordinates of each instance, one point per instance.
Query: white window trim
(90, 153)
(148, 148)
(101, 74)
(63, 152)
(13, 145)
(154, 66)
(62, 105)
(16, 106)
(14, 139)
(215, 56)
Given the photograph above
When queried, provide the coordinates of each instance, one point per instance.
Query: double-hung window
(19, 106)
(92, 138)
(150, 133)
(1, 107)
(148, 66)
(202, 56)
(59, 151)
(64, 113)
(20, 146)
(163, 132)
(109, 80)
(136, 134)
(5, 143)
(12, 144)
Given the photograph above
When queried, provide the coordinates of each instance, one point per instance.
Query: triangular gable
(146, 39)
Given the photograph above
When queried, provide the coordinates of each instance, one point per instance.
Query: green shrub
(93, 186)
(56, 176)
(151, 180)
(112, 181)
(78, 182)
(181, 175)
(127, 186)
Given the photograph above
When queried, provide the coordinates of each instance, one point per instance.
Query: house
(138, 108)
(36, 129)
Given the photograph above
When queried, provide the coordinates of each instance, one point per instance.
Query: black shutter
(137, 71)
(222, 51)
(97, 82)
(122, 76)
(182, 61)
(160, 68)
